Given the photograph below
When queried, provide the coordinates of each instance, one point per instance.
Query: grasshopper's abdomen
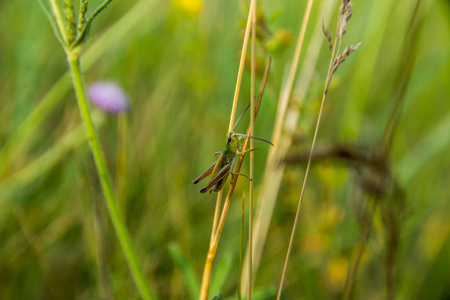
(219, 185)
(229, 153)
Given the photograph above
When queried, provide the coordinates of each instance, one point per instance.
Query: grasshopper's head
(235, 137)
(233, 140)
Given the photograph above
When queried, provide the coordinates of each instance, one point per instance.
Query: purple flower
(109, 97)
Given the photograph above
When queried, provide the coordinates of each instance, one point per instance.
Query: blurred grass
(178, 64)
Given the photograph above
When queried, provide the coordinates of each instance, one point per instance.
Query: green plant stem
(111, 201)
(59, 22)
(19, 141)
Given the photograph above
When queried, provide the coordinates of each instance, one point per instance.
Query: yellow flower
(189, 7)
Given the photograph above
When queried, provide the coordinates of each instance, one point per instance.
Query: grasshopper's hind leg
(232, 168)
(232, 164)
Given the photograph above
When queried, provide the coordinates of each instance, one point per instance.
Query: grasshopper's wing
(220, 175)
(206, 174)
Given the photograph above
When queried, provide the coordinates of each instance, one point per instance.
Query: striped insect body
(221, 169)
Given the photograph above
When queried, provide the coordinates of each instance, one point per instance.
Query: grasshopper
(224, 165)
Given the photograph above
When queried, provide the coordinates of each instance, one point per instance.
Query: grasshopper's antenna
(240, 116)
(252, 137)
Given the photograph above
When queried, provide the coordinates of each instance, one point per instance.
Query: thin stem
(297, 215)
(252, 154)
(59, 21)
(216, 216)
(111, 201)
(50, 18)
(204, 290)
(241, 67)
(273, 171)
(287, 90)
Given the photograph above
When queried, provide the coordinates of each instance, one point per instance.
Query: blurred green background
(178, 61)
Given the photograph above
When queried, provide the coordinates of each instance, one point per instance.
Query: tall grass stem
(241, 66)
(204, 290)
(308, 166)
(59, 21)
(271, 171)
(252, 154)
(103, 173)
(216, 216)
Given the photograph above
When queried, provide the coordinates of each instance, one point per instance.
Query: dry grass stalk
(252, 154)
(288, 120)
(233, 109)
(344, 15)
(241, 65)
(204, 289)
(216, 216)
(215, 241)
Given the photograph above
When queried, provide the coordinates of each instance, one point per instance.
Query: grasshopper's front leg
(248, 150)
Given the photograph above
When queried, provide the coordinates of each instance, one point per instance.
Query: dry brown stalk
(241, 65)
(273, 171)
(216, 216)
(204, 290)
(344, 15)
(233, 109)
(252, 154)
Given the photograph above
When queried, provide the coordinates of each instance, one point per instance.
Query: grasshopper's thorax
(230, 146)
